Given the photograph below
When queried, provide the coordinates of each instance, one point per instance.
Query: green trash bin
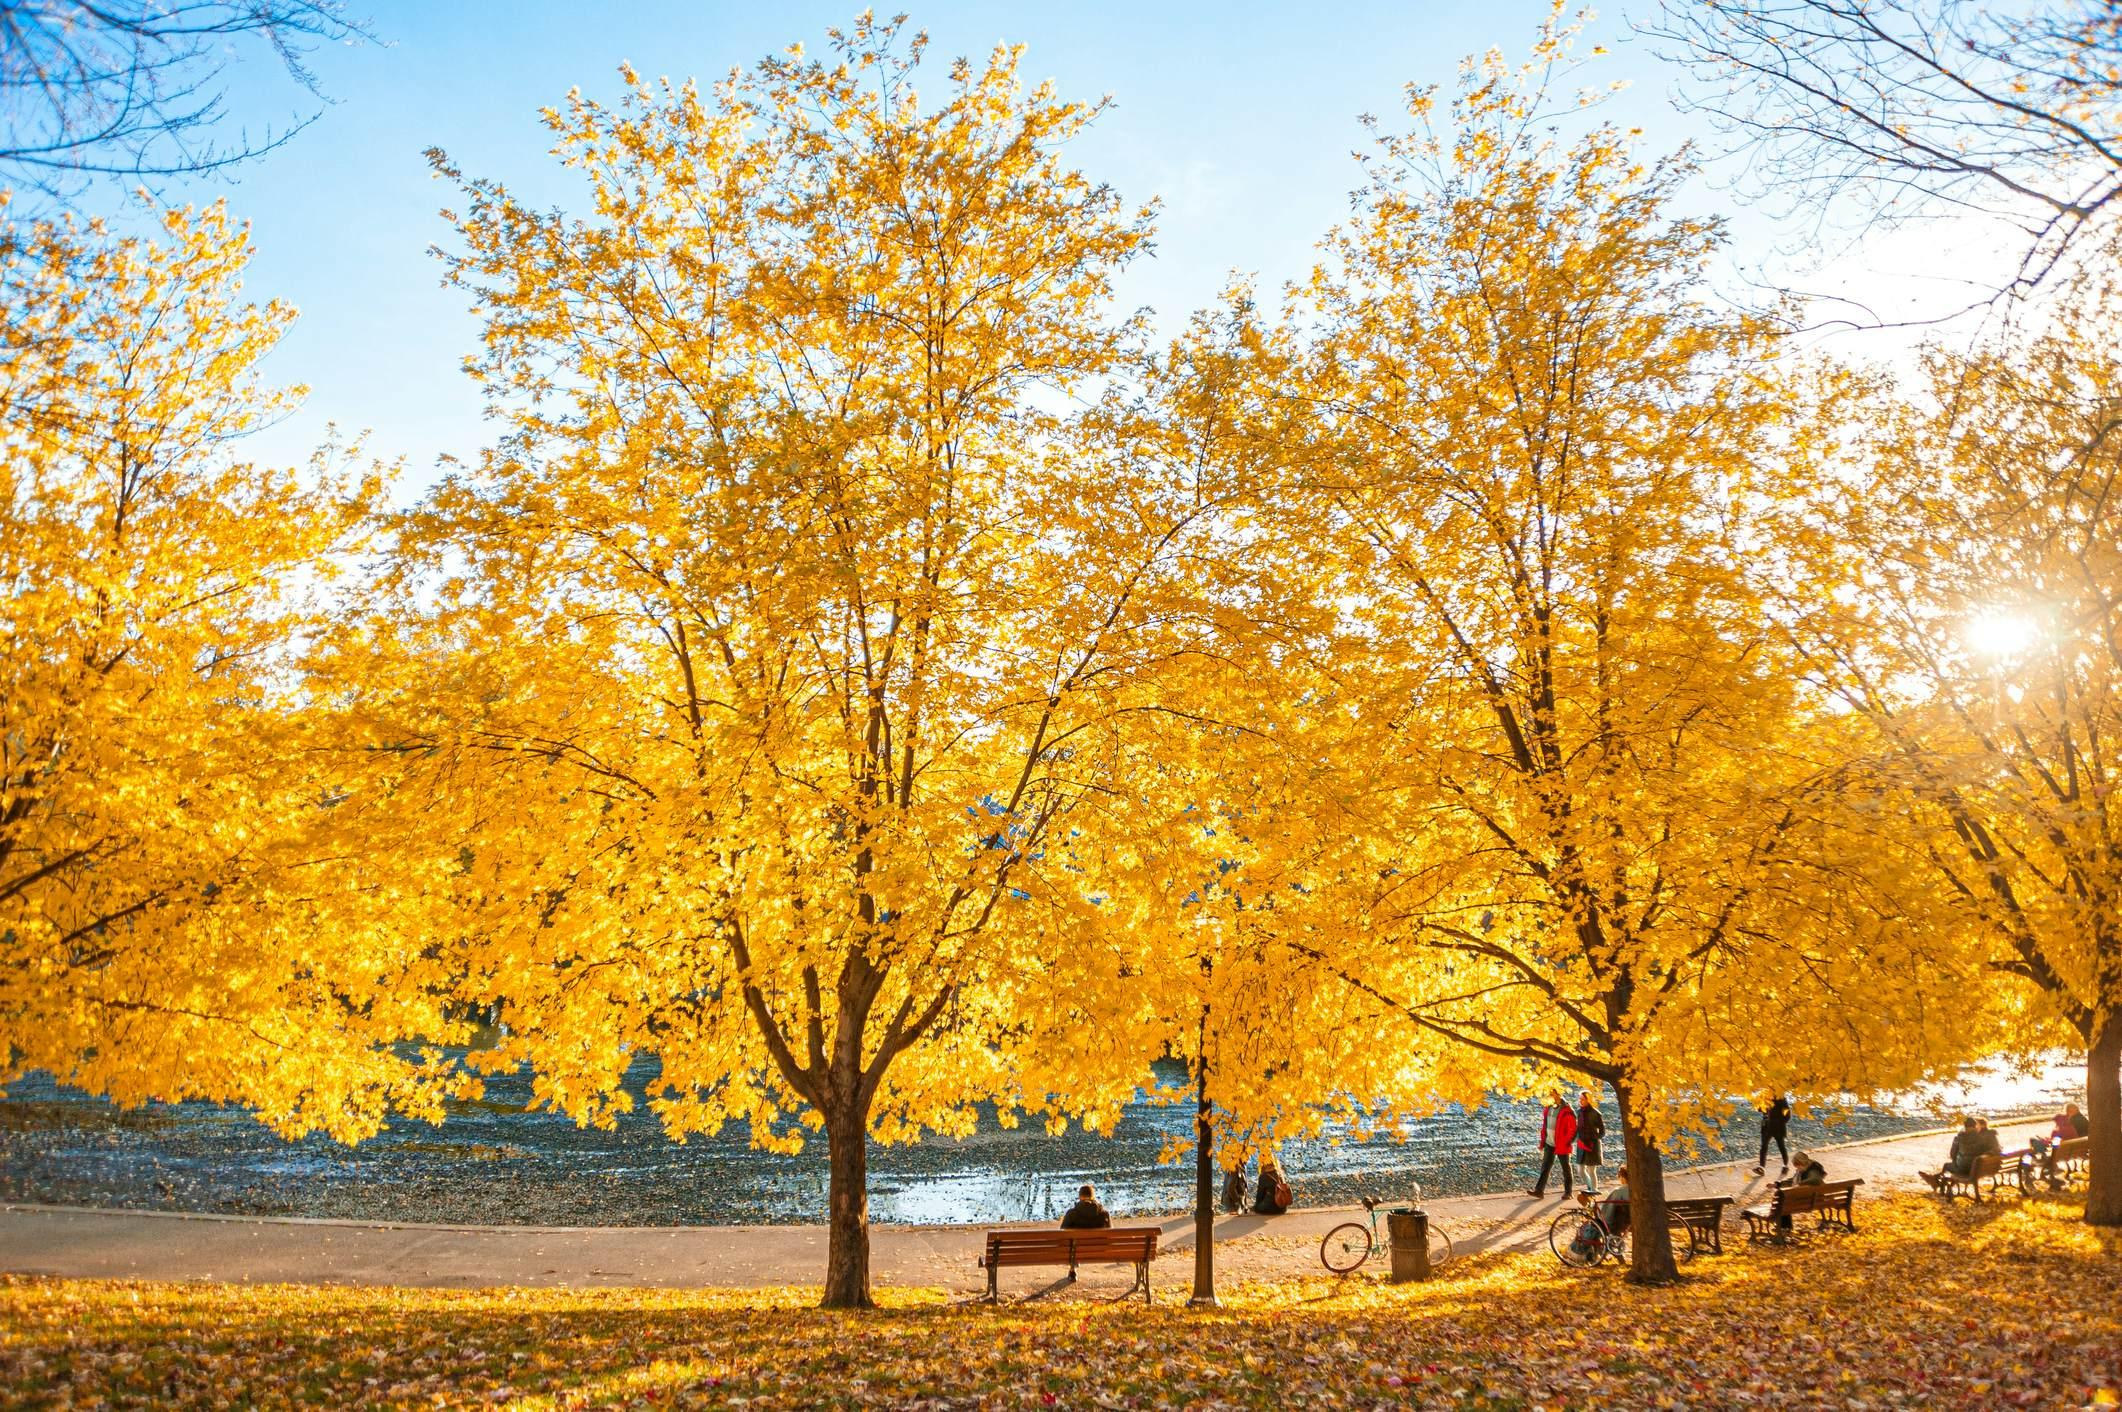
(1409, 1231)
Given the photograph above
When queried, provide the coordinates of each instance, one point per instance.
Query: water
(495, 1162)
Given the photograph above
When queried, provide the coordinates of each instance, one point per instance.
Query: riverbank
(500, 1161)
(109, 1244)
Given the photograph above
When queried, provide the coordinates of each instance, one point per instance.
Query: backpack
(1282, 1192)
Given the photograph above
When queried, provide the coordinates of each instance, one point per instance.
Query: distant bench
(1704, 1218)
(1118, 1245)
(2068, 1162)
(1996, 1168)
(1833, 1203)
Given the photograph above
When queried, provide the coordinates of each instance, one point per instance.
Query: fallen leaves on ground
(1928, 1306)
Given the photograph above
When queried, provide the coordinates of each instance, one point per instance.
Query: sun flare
(1999, 633)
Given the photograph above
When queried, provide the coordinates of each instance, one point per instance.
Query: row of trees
(873, 678)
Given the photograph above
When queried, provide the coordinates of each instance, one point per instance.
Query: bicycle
(1581, 1238)
(1349, 1244)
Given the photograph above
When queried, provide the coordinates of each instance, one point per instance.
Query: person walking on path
(1591, 1126)
(1558, 1138)
(1775, 1127)
(1086, 1214)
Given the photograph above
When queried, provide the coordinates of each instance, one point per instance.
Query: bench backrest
(2072, 1149)
(1697, 1205)
(1129, 1243)
(1828, 1196)
(1987, 1165)
(1797, 1200)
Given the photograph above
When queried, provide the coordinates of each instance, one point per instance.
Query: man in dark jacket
(1973, 1142)
(1558, 1138)
(1775, 1128)
(1086, 1214)
(1591, 1126)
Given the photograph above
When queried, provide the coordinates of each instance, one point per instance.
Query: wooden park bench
(1704, 1218)
(1996, 1168)
(2069, 1162)
(1833, 1203)
(1116, 1245)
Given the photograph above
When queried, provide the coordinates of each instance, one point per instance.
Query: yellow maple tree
(776, 647)
(187, 906)
(1960, 598)
(1585, 801)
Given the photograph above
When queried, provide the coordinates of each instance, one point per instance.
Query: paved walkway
(104, 1244)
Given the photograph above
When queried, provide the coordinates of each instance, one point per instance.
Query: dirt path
(101, 1244)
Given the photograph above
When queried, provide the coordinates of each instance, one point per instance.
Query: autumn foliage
(873, 677)
(187, 898)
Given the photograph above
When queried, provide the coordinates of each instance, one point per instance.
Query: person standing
(1591, 1126)
(1558, 1138)
(1234, 1190)
(1775, 1128)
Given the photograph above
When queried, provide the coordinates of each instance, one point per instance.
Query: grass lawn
(1927, 1306)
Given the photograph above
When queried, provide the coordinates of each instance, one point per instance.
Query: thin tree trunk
(1650, 1243)
(1204, 1196)
(847, 1228)
(2103, 1115)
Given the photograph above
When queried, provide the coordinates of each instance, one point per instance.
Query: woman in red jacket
(1558, 1135)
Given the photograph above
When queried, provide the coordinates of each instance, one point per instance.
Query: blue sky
(1240, 116)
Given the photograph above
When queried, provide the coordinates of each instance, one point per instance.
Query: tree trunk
(1204, 1200)
(1650, 1242)
(2103, 1115)
(847, 1228)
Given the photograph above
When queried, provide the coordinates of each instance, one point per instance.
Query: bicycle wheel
(1346, 1247)
(1683, 1240)
(1578, 1239)
(1440, 1247)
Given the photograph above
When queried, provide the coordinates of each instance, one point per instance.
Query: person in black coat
(1272, 1196)
(1086, 1214)
(1775, 1128)
(1591, 1126)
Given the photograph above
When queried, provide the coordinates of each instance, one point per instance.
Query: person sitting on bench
(1972, 1143)
(1086, 1214)
(1810, 1173)
(1272, 1197)
(2069, 1124)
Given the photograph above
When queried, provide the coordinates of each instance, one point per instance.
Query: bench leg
(1142, 1279)
(994, 1293)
